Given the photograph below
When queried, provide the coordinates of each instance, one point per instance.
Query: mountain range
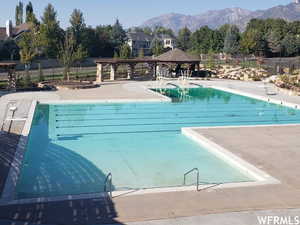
(216, 18)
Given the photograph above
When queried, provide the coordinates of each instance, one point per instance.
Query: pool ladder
(187, 173)
(108, 180)
(10, 107)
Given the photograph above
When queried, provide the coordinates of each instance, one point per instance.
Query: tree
(141, 53)
(68, 54)
(223, 30)
(51, 33)
(29, 12)
(118, 35)
(77, 25)
(147, 30)
(253, 42)
(41, 74)
(28, 51)
(125, 51)
(9, 49)
(204, 40)
(116, 55)
(274, 43)
(156, 47)
(231, 42)
(184, 39)
(290, 45)
(158, 31)
(19, 13)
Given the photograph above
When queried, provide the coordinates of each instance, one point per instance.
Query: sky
(130, 12)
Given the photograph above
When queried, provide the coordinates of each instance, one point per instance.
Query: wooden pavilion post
(99, 78)
(131, 70)
(12, 81)
(113, 71)
(11, 75)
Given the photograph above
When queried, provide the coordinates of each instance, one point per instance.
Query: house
(167, 41)
(13, 32)
(140, 41)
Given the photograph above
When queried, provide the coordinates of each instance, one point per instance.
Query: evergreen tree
(50, 32)
(77, 25)
(29, 12)
(19, 13)
(118, 35)
(290, 45)
(231, 42)
(9, 49)
(274, 43)
(184, 39)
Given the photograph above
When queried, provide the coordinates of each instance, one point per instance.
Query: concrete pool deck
(273, 149)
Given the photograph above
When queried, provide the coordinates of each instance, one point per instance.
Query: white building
(168, 41)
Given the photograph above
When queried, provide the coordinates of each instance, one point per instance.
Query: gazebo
(175, 56)
(10, 67)
(178, 57)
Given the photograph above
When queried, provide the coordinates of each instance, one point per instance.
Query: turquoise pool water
(72, 148)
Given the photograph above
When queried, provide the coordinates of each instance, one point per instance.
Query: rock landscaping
(239, 73)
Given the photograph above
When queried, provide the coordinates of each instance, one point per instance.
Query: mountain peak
(216, 18)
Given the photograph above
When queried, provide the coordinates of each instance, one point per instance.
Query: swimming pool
(72, 147)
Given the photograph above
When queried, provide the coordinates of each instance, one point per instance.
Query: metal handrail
(108, 179)
(6, 111)
(187, 173)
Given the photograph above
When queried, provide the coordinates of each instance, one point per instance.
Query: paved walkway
(236, 218)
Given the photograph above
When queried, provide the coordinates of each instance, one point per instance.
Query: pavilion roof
(177, 56)
(120, 61)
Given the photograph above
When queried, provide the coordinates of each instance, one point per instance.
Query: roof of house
(139, 36)
(164, 36)
(16, 31)
(177, 56)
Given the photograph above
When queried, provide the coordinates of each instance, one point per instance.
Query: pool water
(73, 147)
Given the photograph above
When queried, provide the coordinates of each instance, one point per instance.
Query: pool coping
(255, 96)
(264, 178)
(260, 177)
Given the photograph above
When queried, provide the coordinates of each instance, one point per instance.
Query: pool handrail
(10, 106)
(108, 179)
(187, 173)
